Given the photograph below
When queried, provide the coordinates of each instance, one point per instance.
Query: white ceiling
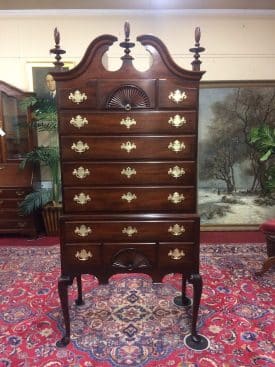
(136, 4)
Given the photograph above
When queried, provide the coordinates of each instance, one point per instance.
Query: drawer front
(89, 174)
(136, 231)
(80, 257)
(174, 122)
(74, 98)
(175, 94)
(129, 256)
(13, 193)
(131, 147)
(7, 204)
(11, 222)
(12, 176)
(177, 256)
(130, 199)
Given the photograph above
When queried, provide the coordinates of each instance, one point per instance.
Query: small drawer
(77, 98)
(176, 94)
(80, 257)
(176, 255)
(129, 256)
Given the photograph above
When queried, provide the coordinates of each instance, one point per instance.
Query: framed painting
(231, 193)
(39, 80)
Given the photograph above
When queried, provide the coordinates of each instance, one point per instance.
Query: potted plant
(263, 139)
(48, 199)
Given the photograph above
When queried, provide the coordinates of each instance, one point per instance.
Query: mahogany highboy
(128, 143)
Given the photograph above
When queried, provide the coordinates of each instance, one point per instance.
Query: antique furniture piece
(268, 228)
(128, 143)
(15, 141)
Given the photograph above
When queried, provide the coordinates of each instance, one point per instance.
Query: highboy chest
(128, 142)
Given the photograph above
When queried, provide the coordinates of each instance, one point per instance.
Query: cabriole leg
(63, 283)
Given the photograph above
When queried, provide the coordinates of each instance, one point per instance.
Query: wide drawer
(9, 204)
(131, 147)
(174, 199)
(154, 122)
(174, 93)
(106, 231)
(12, 223)
(148, 173)
(14, 193)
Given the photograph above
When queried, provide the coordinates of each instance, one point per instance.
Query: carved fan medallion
(127, 97)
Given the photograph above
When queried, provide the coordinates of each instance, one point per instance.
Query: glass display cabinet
(15, 141)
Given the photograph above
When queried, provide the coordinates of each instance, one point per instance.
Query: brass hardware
(129, 197)
(21, 224)
(128, 122)
(176, 198)
(128, 172)
(82, 231)
(81, 172)
(176, 171)
(177, 96)
(177, 121)
(176, 146)
(83, 255)
(128, 146)
(2, 167)
(176, 230)
(20, 192)
(80, 147)
(82, 198)
(77, 96)
(78, 121)
(129, 231)
(176, 254)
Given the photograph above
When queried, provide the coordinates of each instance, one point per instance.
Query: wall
(239, 45)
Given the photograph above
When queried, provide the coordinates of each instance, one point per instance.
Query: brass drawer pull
(78, 121)
(80, 147)
(176, 146)
(129, 231)
(176, 198)
(82, 199)
(20, 192)
(176, 254)
(128, 197)
(128, 146)
(176, 230)
(128, 122)
(82, 231)
(22, 224)
(83, 255)
(176, 172)
(177, 121)
(81, 172)
(2, 167)
(128, 172)
(177, 96)
(77, 97)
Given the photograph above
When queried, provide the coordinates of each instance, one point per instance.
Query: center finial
(127, 45)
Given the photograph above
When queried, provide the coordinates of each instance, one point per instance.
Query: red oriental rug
(133, 323)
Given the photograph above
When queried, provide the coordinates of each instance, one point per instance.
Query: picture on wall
(235, 185)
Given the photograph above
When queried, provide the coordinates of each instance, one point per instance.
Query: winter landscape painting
(232, 187)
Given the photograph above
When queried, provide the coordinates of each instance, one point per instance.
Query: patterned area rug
(132, 322)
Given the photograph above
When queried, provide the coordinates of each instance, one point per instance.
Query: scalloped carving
(127, 97)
